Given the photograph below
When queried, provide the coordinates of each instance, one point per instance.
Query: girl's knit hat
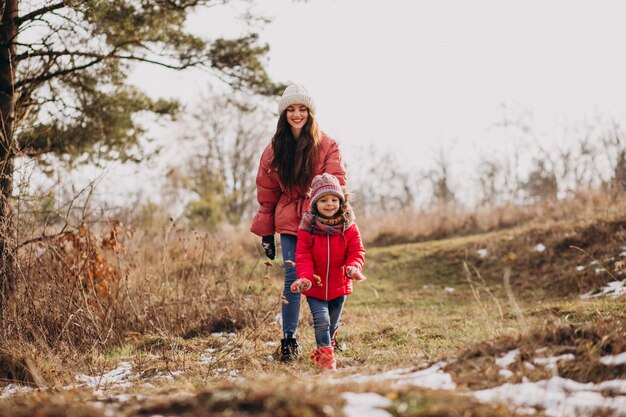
(296, 94)
(325, 184)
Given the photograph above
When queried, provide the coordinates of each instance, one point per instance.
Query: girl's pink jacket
(281, 210)
(327, 256)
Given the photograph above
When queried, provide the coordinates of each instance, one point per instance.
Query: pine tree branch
(98, 58)
(39, 12)
(42, 78)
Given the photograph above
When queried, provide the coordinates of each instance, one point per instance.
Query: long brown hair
(295, 159)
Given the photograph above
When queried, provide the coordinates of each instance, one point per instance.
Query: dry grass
(424, 403)
(75, 300)
(454, 220)
(168, 289)
(586, 330)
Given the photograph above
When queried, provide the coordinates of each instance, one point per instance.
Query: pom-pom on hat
(296, 94)
(325, 184)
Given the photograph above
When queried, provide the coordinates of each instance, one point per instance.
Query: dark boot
(336, 345)
(289, 349)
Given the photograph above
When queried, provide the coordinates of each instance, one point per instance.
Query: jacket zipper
(327, 262)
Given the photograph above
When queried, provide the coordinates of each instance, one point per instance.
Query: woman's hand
(268, 246)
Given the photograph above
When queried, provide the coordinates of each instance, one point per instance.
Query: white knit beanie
(296, 94)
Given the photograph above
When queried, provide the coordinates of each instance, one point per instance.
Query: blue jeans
(291, 311)
(326, 315)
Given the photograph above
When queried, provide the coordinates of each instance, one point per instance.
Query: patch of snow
(614, 359)
(612, 289)
(529, 366)
(118, 377)
(13, 389)
(270, 358)
(124, 398)
(173, 374)
(600, 270)
(594, 262)
(482, 253)
(433, 377)
(580, 268)
(616, 386)
(551, 361)
(539, 247)
(366, 404)
(271, 343)
(557, 396)
(223, 334)
(505, 373)
(449, 289)
(508, 359)
(206, 359)
(278, 318)
(623, 254)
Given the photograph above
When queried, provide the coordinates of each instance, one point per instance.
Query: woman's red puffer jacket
(281, 210)
(327, 255)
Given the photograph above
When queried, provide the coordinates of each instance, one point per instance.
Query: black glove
(268, 246)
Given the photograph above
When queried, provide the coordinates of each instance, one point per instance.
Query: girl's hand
(354, 273)
(300, 285)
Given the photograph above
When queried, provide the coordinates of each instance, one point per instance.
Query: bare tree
(381, 184)
(541, 183)
(614, 150)
(231, 132)
(489, 182)
(619, 173)
(439, 178)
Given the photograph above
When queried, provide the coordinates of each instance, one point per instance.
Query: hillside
(533, 316)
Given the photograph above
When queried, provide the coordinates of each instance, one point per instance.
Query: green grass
(119, 353)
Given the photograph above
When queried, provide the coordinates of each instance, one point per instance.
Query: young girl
(329, 254)
(298, 151)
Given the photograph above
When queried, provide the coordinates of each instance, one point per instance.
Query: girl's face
(328, 205)
(297, 116)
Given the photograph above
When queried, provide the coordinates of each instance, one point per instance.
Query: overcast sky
(414, 76)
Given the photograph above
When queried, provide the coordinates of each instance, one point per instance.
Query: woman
(298, 152)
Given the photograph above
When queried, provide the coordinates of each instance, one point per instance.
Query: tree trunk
(8, 35)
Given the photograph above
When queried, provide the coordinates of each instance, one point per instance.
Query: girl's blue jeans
(291, 311)
(326, 315)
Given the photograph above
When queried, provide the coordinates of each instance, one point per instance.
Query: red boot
(325, 356)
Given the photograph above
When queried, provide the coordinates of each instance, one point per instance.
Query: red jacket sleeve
(304, 255)
(333, 163)
(268, 192)
(355, 252)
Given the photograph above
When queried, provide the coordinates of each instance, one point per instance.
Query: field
(486, 324)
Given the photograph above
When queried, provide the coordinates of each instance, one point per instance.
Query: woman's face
(327, 205)
(297, 116)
